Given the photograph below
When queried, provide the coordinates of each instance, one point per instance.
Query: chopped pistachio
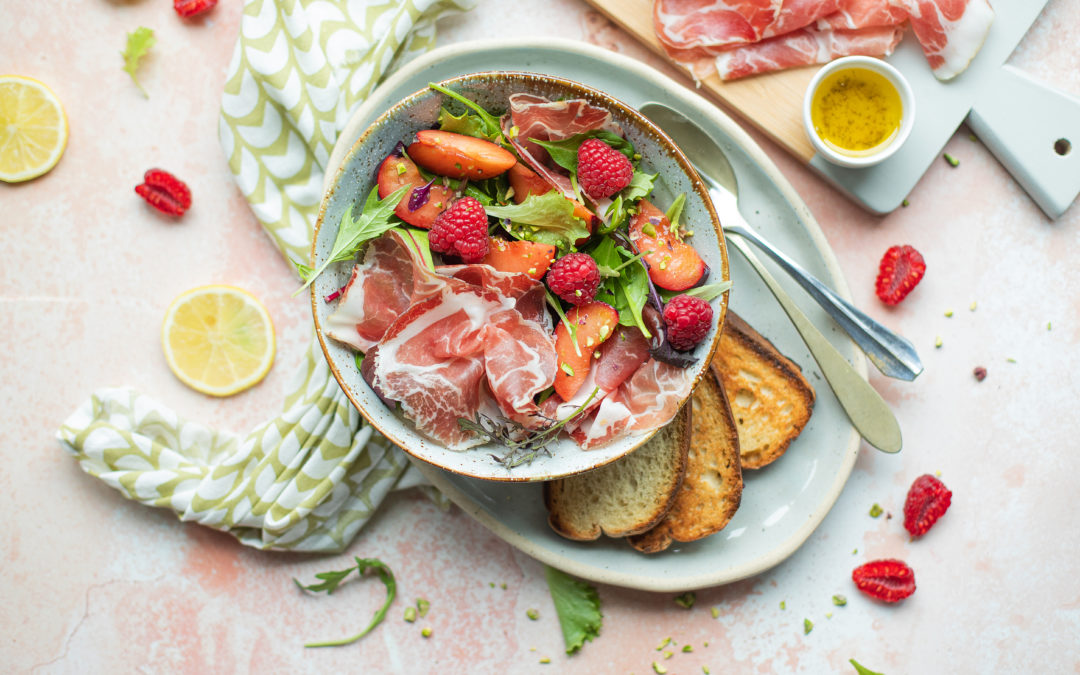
(905, 203)
(658, 669)
(972, 308)
(410, 614)
(807, 626)
(716, 612)
(637, 156)
(706, 643)
(514, 131)
(570, 372)
(532, 271)
(596, 354)
(687, 648)
(649, 229)
(668, 654)
(532, 649)
(938, 474)
(510, 192)
(1047, 325)
(972, 137)
(663, 644)
(426, 632)
(839, 600)
(503, 585)
(875, 510)
(953, 162)
(1011, 360)
(854, 551)
(532, 614)
(828, 615)
(491, 584)
(948, 313)
(937, 342)
(783, 605)
(705, 669)
(589, 341)
(400, 168)
(545, 660)
(686, 600)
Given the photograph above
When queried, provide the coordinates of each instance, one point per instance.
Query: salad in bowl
(517, 277)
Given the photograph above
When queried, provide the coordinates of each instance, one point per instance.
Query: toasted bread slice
(712, 489)
(770, 398)
(627, 496)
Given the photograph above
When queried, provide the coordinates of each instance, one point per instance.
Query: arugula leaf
(578, 606)
(628, 292)
(707, 292)
(564, 152)
(354, 232)
(139, 42)
(491, 128)
(674, 212)
(467, 124)
(547, 218)
(331, 581)
(303, 270)
(861, 669)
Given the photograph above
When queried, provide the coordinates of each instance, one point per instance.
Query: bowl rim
(596, 96)
(907, 101)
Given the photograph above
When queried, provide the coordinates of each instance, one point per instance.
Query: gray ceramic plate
(355, 179)
(781, 504)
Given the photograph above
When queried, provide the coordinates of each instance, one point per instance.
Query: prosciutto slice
(379, 291)
(687, 24)
(855, 14)
(805, 47)
(951, 32)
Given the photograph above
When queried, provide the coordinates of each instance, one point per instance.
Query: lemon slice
(218, 339)
(33, 129)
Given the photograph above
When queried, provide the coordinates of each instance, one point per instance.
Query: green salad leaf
(488, 124)
(548, 218)
(578, 607)
(564, 152)
(468, 124)
(139, 42)
(707, 292)
(628, 290)
(376, 218)
(641, 184)
(331, 581)
(861, 669)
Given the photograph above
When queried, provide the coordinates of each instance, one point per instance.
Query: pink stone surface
(93, 583)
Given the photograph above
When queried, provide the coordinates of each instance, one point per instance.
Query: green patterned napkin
(309, 479)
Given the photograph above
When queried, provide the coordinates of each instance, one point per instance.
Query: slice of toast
(627, 496)
(770, 398)
(712, 489)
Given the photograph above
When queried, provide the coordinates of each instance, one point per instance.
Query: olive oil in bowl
(856, 111)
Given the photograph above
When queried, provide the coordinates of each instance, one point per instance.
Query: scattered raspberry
(980, 373)
(688, 319)
(574, 278)
(165, 192)
(190, 8)
(927, 500)
(602, 170)
(900, 271)
(461, 230)
(886, 580)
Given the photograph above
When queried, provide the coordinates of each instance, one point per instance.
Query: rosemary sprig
(508, 433)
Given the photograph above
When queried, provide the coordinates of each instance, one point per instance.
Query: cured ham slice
(687, 24)
(379, 291)
(805, 47)
(855, 14)
(951, 32)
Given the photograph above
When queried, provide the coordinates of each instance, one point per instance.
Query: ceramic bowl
(881, 153)
(355, 179)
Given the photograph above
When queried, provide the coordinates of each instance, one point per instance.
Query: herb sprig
(331, 581)
(523, 446)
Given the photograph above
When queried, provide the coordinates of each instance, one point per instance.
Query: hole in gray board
(1062, 146)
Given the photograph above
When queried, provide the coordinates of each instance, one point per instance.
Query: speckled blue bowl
(355, 179)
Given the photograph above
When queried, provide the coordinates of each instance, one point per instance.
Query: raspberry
(927, 500)
(574, 278)
(165, 192)
(602, 170)
(688, 319)
(900, 270)
(461, 230)
(190, 8)
(886, 580)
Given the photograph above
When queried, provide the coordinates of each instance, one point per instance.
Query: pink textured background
(93, 583)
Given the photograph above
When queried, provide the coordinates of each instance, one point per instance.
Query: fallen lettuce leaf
(330, 582)
(861, 669)
(139, 42)
(548, 218)
(578, 607)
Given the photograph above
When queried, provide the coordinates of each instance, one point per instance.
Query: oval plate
(782, 503)
(355, 179)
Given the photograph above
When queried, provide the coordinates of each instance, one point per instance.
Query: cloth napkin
(310, 478)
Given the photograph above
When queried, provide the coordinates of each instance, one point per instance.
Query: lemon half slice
(218, 339)
(33, 128)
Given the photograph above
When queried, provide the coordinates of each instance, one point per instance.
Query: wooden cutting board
(772, 102)
(1031, 129)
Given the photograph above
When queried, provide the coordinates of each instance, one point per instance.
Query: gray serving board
(1032, 129)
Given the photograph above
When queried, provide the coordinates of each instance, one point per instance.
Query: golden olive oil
(856, 111)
